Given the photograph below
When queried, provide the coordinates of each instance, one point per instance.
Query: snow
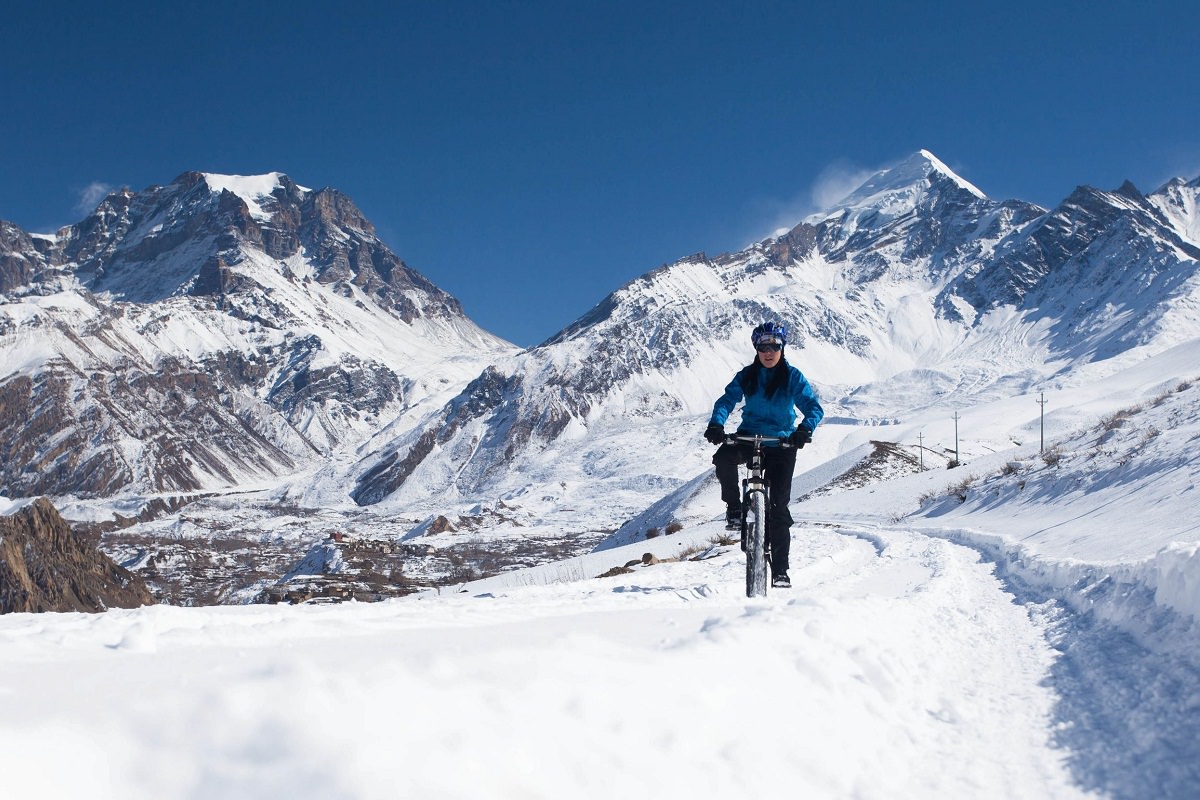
(896, 190)
(1037, 639)
(9, 506)
(591, 688)
(1025, 625)
(250, 188)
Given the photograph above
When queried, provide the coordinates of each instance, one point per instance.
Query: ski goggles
(768, 347)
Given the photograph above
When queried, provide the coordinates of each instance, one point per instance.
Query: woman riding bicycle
(773, 390)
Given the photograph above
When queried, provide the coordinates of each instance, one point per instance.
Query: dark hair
(779, 380)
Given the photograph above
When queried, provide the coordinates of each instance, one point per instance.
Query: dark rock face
(52, 443)
(45, 566)
(19, 259)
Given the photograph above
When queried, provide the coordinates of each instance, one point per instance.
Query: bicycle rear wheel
(757, 574)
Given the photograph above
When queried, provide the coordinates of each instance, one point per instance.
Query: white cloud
(91, 195)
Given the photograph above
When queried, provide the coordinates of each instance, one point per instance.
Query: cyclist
(773, 390)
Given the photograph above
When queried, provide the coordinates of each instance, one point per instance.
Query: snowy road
(897, 667)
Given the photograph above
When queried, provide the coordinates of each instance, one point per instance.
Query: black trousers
(779, 464)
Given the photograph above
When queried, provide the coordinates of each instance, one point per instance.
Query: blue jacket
(775, 416)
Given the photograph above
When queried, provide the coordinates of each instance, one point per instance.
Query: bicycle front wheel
(757, 575)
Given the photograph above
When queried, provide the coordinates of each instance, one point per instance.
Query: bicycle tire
(757, 574)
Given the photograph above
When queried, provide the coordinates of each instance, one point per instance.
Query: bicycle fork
(757, 484)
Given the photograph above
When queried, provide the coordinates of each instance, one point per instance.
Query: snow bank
(1157, 601)
(676, 507)
(1177, 577)
(323, 558)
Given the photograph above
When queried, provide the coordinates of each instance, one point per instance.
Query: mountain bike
(756, 502)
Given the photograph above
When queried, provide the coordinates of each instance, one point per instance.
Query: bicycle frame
(755, 504)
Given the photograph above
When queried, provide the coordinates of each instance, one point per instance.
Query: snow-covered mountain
(248, 334)
(915, 294)
(215, 332)
(1026, 625)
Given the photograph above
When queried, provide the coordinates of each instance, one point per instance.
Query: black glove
(800, 437)
(714, 433)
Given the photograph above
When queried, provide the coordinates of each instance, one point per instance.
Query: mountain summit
(214, 331)
(187, 237)
(902, 187)
(915, 291)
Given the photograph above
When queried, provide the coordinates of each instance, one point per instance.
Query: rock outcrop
(45, 566)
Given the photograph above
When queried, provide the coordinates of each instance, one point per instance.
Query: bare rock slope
(45, 566)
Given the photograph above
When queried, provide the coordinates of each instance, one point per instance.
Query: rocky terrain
(45, 566)
(210, 332)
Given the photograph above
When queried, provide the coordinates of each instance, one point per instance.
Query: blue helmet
(769, 331)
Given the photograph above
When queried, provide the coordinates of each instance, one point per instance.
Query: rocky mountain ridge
(211, 332)
(916, 289)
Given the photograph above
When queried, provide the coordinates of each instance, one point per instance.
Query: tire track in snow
(908, 652)
(1126, 710)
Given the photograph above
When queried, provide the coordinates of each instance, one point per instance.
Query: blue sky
(531, 157)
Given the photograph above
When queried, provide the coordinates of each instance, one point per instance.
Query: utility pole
(1042, 403)
(921, 447)
(956, 460)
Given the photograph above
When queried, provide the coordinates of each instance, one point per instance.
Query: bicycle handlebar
(757, 440)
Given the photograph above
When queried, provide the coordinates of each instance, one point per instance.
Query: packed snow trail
(896, 667)
(1129, 717)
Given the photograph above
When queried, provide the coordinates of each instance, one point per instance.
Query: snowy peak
(1119, 244)
(1179, 202)
(901, 188)
(201, 234)
(920, 171)
(912, 220)
(252, 189)
(215, 330)
(264, 196)
(1090, 215)
(275, 199)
